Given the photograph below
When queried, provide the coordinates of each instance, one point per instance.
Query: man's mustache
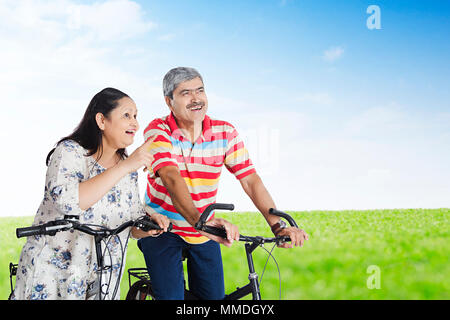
(195, 104)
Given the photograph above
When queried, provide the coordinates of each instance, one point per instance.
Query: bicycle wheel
(140, 290)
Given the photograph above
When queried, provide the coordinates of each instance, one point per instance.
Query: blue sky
(288, 39)
(335, 116)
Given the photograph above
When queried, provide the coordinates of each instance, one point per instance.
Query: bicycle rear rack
(140, 273)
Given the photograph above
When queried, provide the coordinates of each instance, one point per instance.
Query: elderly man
(189, 150)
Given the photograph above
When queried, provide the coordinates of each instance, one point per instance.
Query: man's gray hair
(176, 76)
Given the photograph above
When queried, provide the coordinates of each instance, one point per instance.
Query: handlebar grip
(49, 228)
(223, 206)
(211, 207)
(283, 215)
(147, 224)
(215, 231)
(30, 231)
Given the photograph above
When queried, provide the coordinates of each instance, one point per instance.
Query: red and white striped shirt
(200, 165)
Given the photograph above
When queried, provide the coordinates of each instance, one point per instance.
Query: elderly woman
(89, 175)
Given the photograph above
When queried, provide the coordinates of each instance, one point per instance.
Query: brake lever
(282, 239)
(57, 226)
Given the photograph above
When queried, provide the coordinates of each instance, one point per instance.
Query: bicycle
(100, 233)
(142, 288)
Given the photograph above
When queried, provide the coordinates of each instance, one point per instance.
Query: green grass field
(409, 248)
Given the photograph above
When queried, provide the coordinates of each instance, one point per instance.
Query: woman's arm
(92, 190)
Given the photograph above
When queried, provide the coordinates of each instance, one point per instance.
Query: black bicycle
(100, 233)
(142, 288)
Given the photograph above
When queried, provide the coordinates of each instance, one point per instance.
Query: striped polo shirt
(200, 165)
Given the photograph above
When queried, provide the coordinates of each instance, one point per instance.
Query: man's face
(189, 103)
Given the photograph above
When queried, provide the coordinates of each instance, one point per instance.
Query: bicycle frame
(251, 243)
(253, 286)
(99, 235)
(98, 252)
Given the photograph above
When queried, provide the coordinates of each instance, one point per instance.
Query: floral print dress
(64, 265)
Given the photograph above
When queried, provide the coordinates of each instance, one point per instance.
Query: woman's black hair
(87, 133)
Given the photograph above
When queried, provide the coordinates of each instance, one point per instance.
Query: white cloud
(333, 53)
(110, 20)
(57, 42)
(52, 62)
(319, 98)
(369, 122)
(167, 37)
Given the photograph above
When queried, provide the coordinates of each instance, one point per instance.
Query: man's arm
(257, 192)
(179, 193)
(182, 201)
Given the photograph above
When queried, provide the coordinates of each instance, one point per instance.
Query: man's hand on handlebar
(224, 232)
(231, 230)
(298, 237)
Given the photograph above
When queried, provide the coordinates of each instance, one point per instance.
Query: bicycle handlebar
(49, 228)
(70, 222)
(222, 233)
(201, 224)
(283, 215)
(211, 207)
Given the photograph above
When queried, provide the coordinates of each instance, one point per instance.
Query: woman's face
(121, 125)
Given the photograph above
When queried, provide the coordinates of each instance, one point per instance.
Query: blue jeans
(204, 266)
